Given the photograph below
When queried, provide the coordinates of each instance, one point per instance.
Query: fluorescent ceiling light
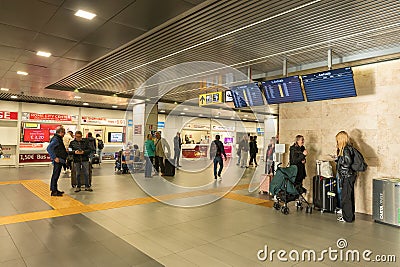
(43, 54)
(246, 115)
(185, 109)
(245, 119)
(183, 113)
(22, 73)
(14, 97)
(86, 104)
(52, 101)
(5, 89)
(114, 106)
(216, 116)
(201, 115)
(77, 97)
(85, 14)
(162, 111)
(232, 118)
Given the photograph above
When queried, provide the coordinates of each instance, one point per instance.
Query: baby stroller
(284, 187)
(121, 162)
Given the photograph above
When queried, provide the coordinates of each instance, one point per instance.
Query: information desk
(194, 151)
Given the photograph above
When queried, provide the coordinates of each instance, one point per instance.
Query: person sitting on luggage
(81, 150)
(136, 153)
(297, 157)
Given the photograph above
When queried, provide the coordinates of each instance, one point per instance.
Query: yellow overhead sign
(210, 98)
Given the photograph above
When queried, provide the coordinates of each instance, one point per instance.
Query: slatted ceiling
(317, 23)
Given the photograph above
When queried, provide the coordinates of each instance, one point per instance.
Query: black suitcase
(169, 167)
(74, 181)
(95, 159)
(324, 193)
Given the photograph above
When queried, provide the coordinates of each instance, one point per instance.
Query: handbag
(325, 169)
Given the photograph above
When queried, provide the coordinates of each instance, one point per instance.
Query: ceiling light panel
(43, 54)
(85, 14)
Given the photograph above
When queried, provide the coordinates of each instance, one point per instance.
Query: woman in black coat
(253, 150)
(347, 177)
(297, 157)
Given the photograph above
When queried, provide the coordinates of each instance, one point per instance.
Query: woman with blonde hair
(347, 176)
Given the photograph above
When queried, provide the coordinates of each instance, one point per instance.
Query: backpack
(100, 144)
(359, 164)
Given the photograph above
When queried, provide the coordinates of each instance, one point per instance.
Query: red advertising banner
(22, 145)
(49, 117)
(30, 158)
(8, 115)
(36, 135)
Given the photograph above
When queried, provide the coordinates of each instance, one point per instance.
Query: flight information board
(283, 90)
(329, 85)
(247, 95)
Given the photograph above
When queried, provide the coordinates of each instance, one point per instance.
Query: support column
(145, 119)
(329, 58)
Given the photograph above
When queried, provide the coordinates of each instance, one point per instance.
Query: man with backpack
(216, 152)
(100, 146)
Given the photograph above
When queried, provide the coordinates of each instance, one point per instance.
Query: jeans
(218, 159)
(55, 175)
(239, 157)
(339, 191)
(100, 153)
(149, 166)
(79, 167)
(177, 154)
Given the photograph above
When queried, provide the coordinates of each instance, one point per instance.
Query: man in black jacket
(216, 152)
(81, 150)
(58, 155)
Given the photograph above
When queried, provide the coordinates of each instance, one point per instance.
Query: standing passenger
(347, 176)
(297, 156)
(244, 144)
(100, 146)
(161, 146)
(253, 150)
(92, 145)
(149, 153)
(177, 149)
(80, 149)
(58, 155)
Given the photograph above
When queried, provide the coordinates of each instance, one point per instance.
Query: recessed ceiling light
(14, 97)
(85, 14)
(216, 116)
(162, 111)
(86, 104)
(77, 97)
(114, 106)
(52, 100)
(43, 54)
(245, 119)
(147, 99)
(76, 91)
(183, 113)
(22, 73)
(201, 115)
(246, 115)
(232, 118)
(176, 103)
(185, 109)
(5, 89)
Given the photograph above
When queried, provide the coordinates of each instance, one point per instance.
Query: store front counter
(195, 151)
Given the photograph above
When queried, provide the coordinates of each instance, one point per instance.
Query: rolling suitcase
(74, 181)
(169, 167)
(265, 182)
(324, 193)
(95, 159)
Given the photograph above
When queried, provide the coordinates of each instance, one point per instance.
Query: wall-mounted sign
(8, 115)
(228, 96)
(30, 146)
(137, 129)
(130, 122)
(223, 128)
(260, 130)
(197, 127)
(160, 125)
(31, 158)
(46, 117)
(210, 98)
(103, 121)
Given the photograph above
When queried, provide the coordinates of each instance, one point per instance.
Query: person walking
(177, 149)
(216, 152)
(92, 145)
(253, 150)
(244, 152)
(347, 176)
(58, 155)
(160, 154)
(99, 146)
(149, 153)
(81, 150)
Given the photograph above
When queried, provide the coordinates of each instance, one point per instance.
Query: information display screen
(36, 135)
(329, 85)
(283, 90)
(247, 95)
(115, 137)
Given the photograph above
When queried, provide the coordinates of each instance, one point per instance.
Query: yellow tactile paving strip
(67, 205)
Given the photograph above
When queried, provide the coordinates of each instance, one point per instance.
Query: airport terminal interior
(172, 77)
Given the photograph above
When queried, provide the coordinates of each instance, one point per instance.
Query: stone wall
(372, 119)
